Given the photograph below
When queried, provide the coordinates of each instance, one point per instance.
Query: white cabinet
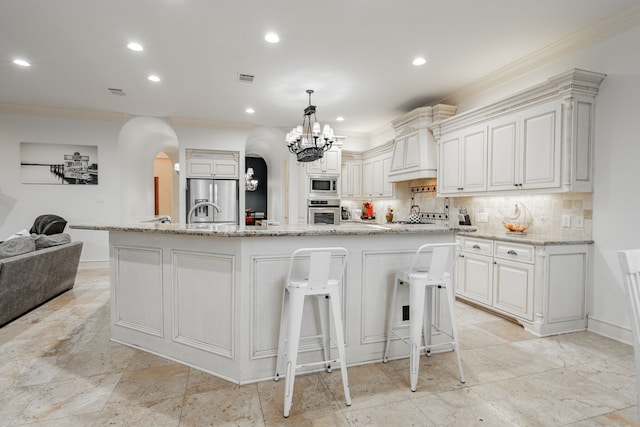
(540, 139)
(212, 164)
(463, 161)
(330, 163)
(366, 174)
(513, 279)
(542, 287)
(351, 179)
(375, 176)
(524, 149)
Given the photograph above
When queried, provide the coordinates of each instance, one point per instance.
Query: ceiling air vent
(246, 78)
(115, 91)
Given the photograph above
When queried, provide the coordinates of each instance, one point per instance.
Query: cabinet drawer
(514, 252)
(477, 246)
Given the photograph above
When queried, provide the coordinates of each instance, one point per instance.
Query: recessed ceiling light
(135, 46)
(272, 38)
(250, 110)
(340, 118)
(419, 61)
(154, 78)
(21, 62)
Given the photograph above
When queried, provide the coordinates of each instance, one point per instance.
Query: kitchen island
(210, 296)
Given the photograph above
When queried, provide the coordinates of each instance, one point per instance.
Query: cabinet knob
(512, 252)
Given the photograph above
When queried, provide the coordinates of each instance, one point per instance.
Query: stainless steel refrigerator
(222, 192)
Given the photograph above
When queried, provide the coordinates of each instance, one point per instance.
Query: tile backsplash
(547, 210)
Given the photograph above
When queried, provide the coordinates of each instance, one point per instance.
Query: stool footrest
(324, 362)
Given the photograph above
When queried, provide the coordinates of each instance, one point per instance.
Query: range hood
(414, 148)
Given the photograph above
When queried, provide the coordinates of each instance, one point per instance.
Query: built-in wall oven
(323, 211)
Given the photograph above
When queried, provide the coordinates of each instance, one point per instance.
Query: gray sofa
(31, 279)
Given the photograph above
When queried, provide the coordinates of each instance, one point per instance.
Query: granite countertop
(232, 230)
(530, 239)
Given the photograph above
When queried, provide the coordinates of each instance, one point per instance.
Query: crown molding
(597, 32)
(33, 110)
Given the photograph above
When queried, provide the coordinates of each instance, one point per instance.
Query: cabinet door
(475, 277)
(332, 161)
(541, 146)
(513, 288)
(378, 177)
(504, 154)
(473, 161)
(387, 187)
(225, 168)
(449, 168)
(367, 178)
(356, 179)
(345, 180)
(200, 168)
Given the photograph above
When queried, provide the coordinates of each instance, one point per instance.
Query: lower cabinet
(543, 287)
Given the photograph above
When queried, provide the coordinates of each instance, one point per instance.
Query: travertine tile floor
(58, 368)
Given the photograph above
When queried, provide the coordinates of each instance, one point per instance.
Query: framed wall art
(62, 164)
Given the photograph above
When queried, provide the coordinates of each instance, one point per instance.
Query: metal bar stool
(310, 274)
(423, 281)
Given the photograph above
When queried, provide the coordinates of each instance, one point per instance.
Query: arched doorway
(163, 177)
(255, 200)
(139, 142)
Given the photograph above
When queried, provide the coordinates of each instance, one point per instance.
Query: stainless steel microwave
(323, 185)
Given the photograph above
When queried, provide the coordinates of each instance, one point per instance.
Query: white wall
(617, 171)
(21, 203)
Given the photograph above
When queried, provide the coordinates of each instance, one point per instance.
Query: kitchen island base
(214, 302)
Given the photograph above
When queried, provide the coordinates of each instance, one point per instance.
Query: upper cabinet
(366, 174)
(414, 152)
(351, 177)
(465, 155)
(540, 139)
(330, 163)
(212, 164)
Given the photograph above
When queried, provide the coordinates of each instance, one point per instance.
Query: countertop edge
(528, 239)
(272, 231)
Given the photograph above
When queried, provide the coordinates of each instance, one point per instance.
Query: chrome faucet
(197, 205)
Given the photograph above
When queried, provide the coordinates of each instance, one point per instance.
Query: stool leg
(296, 304)
(392, 313)
(325, 326)
(428, 319)
(454, 329)
(282, 334)
(416, 321)
(337, 321)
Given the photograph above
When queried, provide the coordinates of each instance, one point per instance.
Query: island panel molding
(136, 289)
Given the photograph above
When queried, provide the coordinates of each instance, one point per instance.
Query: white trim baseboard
(610, 330)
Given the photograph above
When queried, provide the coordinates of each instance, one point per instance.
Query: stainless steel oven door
(324, 215)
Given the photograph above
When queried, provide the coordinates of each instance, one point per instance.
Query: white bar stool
(313, 277)
(423, 281)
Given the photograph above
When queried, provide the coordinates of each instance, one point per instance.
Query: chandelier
(250, 183)
(306, 141)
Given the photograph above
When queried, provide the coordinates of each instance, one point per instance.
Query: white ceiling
(356, 54)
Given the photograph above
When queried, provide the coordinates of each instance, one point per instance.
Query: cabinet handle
(476, 247)
(461, 256)
(512, 252)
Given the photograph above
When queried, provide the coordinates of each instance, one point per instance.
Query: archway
(139, 142)
(260, 143)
